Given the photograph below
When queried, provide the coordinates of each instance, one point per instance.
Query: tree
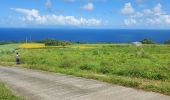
(147, 41)
(51, 42)
(167, 42)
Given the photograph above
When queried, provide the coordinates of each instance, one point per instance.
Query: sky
(116, 14)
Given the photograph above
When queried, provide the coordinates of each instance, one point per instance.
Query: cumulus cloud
(127, 9)
(158, 9)
(33, 16)
(153, 16)
(130, 21)
(88, 6)
(147, 11)
(71, 20)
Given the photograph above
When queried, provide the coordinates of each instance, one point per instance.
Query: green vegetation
(6, 94)
(167, 42)
(8, 49)
(51, 42)
(145, 67)
(147, 41)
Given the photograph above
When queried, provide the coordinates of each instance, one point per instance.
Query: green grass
(144, 67)
(6, 94)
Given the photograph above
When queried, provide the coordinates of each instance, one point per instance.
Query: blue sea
(84, 35)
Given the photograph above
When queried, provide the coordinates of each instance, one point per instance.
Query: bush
(50, 42)
(147, 41)
(158, 76)
(167, 42)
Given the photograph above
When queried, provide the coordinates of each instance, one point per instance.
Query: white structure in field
(138, 44)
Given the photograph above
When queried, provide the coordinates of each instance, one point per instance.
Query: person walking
(17, 58)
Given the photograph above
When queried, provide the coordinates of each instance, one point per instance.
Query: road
(40, 85)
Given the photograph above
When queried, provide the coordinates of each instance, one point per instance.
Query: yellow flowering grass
(56, 47)
(32, 46)
(86, 47)
(40, 45)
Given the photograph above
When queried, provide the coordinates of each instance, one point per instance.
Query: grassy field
(6, 94)
(146, 67)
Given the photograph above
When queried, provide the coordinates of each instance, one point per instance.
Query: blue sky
(147, 14)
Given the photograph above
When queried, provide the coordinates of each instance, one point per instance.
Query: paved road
(38, 85)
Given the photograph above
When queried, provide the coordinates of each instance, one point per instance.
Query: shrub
(147, 41)
(159, 76)
(167, 42)
(33, 62)
(50, 42)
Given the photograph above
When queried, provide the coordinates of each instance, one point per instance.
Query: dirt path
(37, 85)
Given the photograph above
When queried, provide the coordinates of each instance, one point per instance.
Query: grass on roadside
(144, 67)
(6, 94)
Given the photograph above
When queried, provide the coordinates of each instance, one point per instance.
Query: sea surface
(84, 35)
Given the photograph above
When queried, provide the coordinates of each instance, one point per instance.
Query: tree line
(53, 42)
(149, 41)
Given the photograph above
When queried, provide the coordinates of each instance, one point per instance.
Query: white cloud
(159, 20)
(154, 16)
(88, 6)
(130, 21)
(127, 9)
(33, 16)
(71, 20)
(137, 14)
(147, 11)
(28, 12)
(158, 8)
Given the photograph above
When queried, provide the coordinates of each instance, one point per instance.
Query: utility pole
(26, 40)
(30, 38)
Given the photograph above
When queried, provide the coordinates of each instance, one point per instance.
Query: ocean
(84, 35)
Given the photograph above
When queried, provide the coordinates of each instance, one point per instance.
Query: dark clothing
(17, 59)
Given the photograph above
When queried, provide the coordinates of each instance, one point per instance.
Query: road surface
(40, 85)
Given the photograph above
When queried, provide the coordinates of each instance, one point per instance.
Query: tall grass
(6, 94)
(119, 64)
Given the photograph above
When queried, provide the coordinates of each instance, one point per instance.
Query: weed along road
(39, 85)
